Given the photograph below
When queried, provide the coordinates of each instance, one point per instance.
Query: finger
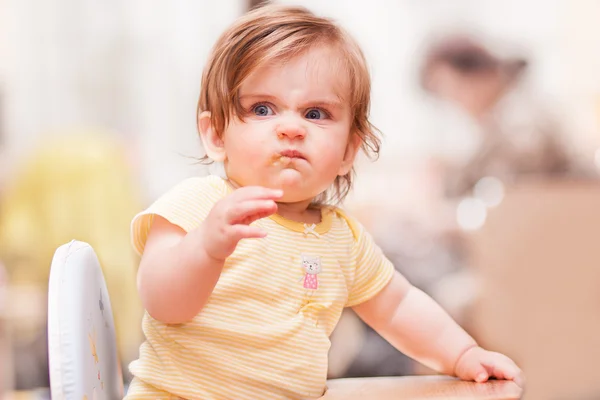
(519, 379)
(240, 232)
(475, 371)
(478, 372)
(256, 192)
(481, 375)
(254, 217)
(506, 369)
(249, 211)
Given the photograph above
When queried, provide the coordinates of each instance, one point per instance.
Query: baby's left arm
(416, 325)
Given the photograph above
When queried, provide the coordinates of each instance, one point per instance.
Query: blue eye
(262, 110)
(315, 113)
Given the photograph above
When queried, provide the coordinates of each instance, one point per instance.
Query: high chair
(82, 344)
(83, 351)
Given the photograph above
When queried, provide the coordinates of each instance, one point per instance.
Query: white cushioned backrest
(81, 336)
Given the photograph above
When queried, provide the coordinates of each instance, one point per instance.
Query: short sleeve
(373, 270)
(185, 205)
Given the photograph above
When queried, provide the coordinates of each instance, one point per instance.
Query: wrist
(211, 259)
(197, 252)
(461, 355)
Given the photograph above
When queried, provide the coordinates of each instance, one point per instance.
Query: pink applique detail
(312, 268)
(311, 282)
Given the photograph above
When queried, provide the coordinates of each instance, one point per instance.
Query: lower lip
(283, 160)
(292, 157)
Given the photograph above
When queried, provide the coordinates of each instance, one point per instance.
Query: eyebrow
(327, 103)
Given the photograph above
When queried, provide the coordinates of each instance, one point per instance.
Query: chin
(296, 187)
(290, 179)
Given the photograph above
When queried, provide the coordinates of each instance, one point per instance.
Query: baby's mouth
(292, 154)
(286, 157)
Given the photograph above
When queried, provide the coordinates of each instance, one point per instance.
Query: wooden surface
(419, 387)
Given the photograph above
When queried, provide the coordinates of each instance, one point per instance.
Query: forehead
(314, 73)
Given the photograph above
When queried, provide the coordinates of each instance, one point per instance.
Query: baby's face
(296, 128)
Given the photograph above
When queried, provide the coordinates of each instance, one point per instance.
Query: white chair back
(81, 335)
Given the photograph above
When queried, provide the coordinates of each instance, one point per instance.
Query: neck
(299, 211)
(299, 207)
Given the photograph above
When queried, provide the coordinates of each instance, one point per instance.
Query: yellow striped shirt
(264, 332)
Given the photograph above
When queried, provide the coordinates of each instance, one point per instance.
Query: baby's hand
(480, 365)
(229, 220)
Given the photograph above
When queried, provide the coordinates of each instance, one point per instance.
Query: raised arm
(178, 270)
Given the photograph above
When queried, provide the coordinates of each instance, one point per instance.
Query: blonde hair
(275, 33)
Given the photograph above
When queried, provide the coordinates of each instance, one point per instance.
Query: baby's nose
(290, 130)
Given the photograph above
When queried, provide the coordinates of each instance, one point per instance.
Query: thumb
(479, 373)
(474, 371)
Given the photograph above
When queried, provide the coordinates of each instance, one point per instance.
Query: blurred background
(485, 194)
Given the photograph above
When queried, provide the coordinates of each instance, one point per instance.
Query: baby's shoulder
(202, 184)
(195, 189)
(346, 220)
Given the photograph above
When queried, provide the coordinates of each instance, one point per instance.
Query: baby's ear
(213, 144)
(352, 148)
